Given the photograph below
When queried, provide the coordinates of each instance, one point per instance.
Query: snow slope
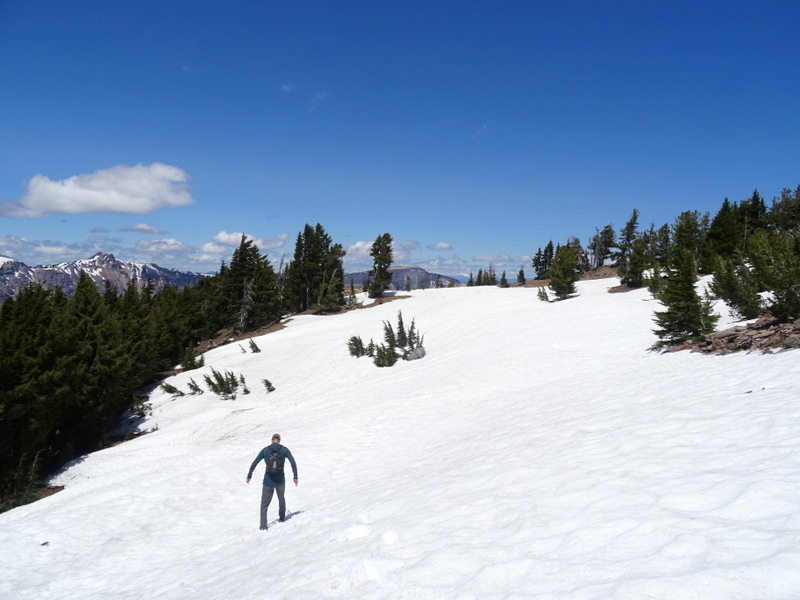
(538, 451)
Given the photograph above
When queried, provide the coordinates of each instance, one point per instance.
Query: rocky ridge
(101, 267)
(765, 334)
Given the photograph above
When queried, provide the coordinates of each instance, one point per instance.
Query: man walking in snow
(274, 479)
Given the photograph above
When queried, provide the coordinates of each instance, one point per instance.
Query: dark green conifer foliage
(381, 253)
(541, 261)
(248, 289)
(725, 234)
(563, 272)
(316, 274)
(637, 263)
(687, 316)
(785, 213)
(775, 256)
(737, 285)
(521, 276)
(600, 246)
(689, 233)
(625, 244)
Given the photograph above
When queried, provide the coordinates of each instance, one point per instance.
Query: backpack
(275, 462)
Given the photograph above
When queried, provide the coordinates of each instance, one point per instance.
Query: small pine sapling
(171, 390)
(356, 346)
(194, 389)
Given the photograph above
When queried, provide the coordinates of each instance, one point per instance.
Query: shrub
(171, 390)
(194, 389)
(397, 344)
(224, 385)
(190, 361)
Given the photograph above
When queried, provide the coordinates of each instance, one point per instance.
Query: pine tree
(687, 317)
(625, 244)
(775, 257)
(600, 246)
(315, 277)
(381, 253)
(521, 276)
(637, 263)
(736, 284)
(563, 272)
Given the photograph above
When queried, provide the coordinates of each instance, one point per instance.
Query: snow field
(537, 451)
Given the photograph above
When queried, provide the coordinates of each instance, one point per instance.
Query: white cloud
(144, 228)
(492, 259)
(138, 189)
(277, 242)
(358, 254)
(288, 88)
(441, 246)
(163, 247)
(233, 240)
(401, 253)
(213, 249)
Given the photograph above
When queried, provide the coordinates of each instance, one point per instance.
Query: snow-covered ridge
(537, 451)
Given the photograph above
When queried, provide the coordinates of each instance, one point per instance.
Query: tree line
(71, 366)
(752, 250)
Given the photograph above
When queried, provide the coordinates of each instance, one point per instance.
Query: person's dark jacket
(273, 479)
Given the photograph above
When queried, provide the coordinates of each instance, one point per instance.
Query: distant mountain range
(101, 267)
(15, 275)
(415, 277)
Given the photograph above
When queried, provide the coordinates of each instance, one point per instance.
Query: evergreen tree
(580, 254)
(725, 236)
(737, 285)
(381, 253)
(542, 260)
(637, 263)
(600, 246)
(563, 272)
(689, 232)
(521, 276)
(785, 213)
(625, 245)
(687, 317)
(315, 277)
(775, 257)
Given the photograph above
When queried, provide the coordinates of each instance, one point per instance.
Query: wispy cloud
(492, 259)
(45, 252)
(164, 248)
(288, 88)
(482, 129)
(139, 189)
(144, 228)
(440, 246)
(317, 99)
(233, 239)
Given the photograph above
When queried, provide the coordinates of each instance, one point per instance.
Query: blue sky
(473, 132)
